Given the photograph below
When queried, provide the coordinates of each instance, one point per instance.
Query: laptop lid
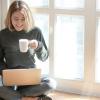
(20, 77)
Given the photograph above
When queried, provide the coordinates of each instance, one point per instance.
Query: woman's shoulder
(36, 29)
(5, 30)
(3, 33)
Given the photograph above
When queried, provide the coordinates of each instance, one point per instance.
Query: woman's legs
(7, 93)
(44, 88)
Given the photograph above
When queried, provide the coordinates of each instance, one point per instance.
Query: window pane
(69, 47)
(42, 21)
(37, 3)
(69, 4)
(98, 4)
(97, 73)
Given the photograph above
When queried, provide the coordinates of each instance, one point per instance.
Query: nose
(19, 23)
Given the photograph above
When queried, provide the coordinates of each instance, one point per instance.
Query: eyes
(19, 19)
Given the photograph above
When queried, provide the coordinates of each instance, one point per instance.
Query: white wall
(3, 10)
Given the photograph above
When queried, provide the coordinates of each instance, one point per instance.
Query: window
(98, 4)
(97, 78)
(69, 47)
(69, 29)
(69, 4)
(97, 57)
(42, 21)
(37, 3)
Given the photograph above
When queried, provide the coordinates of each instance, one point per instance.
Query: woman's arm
(2, 61)
(42, 50)
(38, 46)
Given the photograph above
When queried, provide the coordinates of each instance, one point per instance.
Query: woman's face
(18, 21)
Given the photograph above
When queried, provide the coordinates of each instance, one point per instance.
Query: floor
(66, 96)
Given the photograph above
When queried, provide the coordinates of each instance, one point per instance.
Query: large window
(68, 30)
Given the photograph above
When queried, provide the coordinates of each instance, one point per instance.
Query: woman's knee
(49, 83)
(52, 83)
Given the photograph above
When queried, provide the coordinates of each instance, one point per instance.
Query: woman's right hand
(33, 44)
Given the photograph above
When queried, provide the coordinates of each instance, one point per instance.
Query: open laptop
(18, 77)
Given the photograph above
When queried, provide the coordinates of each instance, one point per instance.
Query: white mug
(23, 45)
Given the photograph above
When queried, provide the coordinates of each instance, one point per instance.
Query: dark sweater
(10, 55)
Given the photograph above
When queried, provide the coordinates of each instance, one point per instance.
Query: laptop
(19, 77)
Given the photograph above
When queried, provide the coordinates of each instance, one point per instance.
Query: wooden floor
(68, 96)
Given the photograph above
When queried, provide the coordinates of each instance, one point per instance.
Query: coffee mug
(23, 45)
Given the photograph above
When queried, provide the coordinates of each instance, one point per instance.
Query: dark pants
(8, 93)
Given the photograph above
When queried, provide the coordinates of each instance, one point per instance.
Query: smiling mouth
(19, 26)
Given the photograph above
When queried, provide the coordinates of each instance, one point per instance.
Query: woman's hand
(33, 44)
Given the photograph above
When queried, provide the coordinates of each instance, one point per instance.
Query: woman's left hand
(33, 44)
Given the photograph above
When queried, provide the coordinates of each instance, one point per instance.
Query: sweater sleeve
(2, 60)
(41, 50)
(2, 63)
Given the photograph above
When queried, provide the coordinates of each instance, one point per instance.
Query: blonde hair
(19, 5)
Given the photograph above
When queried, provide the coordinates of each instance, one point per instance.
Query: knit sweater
(10, 55)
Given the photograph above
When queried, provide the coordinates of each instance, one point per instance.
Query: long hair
(19, 5)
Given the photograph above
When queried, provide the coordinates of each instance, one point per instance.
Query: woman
(19, 24)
